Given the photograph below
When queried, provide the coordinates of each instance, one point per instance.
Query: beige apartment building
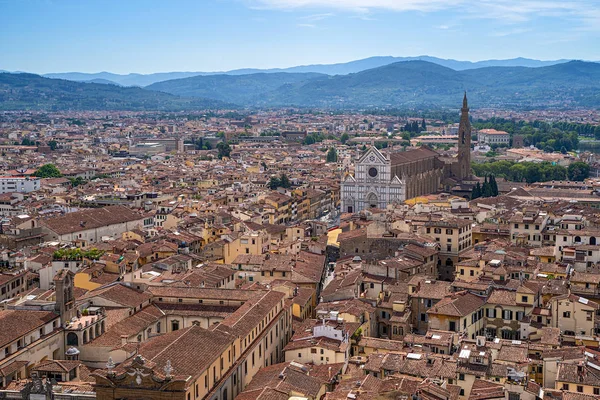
(454, 236)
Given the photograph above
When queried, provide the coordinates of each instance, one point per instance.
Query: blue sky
(214, 35)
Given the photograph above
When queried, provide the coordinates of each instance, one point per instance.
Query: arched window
(158, 327)
(72, 339)
(174, 325)
(593, 241)
(449, 262)
(85, 337)
(577, 239)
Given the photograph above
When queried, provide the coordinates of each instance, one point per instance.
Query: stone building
(381, 179)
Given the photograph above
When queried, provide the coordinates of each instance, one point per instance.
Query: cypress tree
(476, 192)
(494, 185)
(486, 191)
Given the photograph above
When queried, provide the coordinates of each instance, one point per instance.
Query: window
(516, 226)
(461, 377)
(580, 388)
(597, 391)
(524, 299)
(313, 351)
(526, 226)
(567, 314)
(565, 386)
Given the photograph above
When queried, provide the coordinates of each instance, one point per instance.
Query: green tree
(344, 138)
(53, 144)
(284, 182)
(578, 171)
(309, 140)
(77, 181)
(47, 171)
(332, 155)
(274, 183)
(224, 149)
(423, 125)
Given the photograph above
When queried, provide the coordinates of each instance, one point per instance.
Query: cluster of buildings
(159, 267)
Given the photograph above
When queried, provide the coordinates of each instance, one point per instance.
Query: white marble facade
(372, 185)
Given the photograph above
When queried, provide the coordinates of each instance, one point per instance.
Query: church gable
(373, 156)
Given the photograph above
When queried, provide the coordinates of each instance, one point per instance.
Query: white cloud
(306, 26)
(516, 31)
(360, 5)
(317, 17)
(505, 11)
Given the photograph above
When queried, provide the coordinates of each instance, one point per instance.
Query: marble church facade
(381, 179)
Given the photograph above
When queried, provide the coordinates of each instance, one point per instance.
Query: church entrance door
(372, 200)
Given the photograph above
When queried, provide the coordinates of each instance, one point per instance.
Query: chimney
(123, 339)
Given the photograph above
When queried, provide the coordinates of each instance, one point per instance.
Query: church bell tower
(464, 142)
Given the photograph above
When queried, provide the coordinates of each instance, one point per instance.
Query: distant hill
(102, 81)
(380, 61)
(124, 80)
(350, 67)
(405, 84)
(33, 92)
(246, 89)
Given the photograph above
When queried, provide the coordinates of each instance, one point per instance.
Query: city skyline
(148, 37)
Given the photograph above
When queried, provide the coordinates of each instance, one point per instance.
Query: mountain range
(405, 84)
(328, 69)
(33, 92)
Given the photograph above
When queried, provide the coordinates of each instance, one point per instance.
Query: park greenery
(550, 137)
(47, 171)
(332, 155)
(77, 254)
(283, 181)
(224, 149)
(313, 138)
(531, 172)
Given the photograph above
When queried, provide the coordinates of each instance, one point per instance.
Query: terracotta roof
(458, 304)
(90, 219)
(21, 322)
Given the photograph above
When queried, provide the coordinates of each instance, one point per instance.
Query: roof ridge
(185, 332)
